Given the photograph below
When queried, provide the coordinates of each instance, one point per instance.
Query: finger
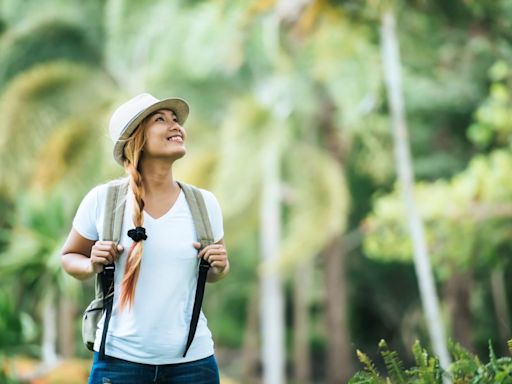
(212, 252)
(112, 248)
(203, 251)
(103, 255)
(212, 249)
(100, 260)
(218, 264)
(213, 258)
(105, 247)
(104, 242)
(196, 244)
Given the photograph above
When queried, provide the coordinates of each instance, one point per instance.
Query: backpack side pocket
(90, 320)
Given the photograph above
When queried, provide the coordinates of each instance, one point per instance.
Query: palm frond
(43, 41)
(34, 105)
(316, 201)
(244, 136)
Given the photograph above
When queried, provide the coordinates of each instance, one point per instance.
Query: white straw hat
(127, 117)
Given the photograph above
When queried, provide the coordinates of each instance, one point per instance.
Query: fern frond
(368, 366)
(420, 355)
(465, 365)
(362, 378)
(509, 343)
(428, 369)
(492, 357)
(394, 365)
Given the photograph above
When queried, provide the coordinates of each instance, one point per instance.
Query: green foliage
(493, 118)
(41, 101)
(427, 367)
(256, 87)
(465, 369)
(46, 41)
(394, 365)
(456, 213)
(464, 363)
(371, 372)
(10, 325)
(5, 368)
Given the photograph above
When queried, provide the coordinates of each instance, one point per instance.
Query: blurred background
(291, 128)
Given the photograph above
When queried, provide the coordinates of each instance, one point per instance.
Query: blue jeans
(117, 371)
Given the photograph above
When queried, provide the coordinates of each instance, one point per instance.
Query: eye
(159, 118)
(174, 118)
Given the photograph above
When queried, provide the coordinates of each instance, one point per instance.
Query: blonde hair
(132, 154)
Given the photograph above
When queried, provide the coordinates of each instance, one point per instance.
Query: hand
(103, 253)
(216, 255)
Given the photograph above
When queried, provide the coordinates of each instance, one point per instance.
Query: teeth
(176, 138)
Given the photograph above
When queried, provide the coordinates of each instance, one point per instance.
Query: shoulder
(208, 196)
(98, 194)
(211, 202)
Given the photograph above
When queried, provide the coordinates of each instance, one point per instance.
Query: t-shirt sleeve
(85, 218)
(215, 214)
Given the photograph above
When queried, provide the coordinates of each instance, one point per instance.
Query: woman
(155, 278)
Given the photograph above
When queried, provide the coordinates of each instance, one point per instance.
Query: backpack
(104, 283)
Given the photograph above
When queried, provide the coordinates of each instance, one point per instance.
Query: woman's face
(165, 137)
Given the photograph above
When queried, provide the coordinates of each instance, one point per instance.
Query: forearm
(214, 276)
(77, 265)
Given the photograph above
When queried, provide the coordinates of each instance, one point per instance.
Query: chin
(179, 154)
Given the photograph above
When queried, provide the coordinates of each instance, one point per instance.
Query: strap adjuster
(109, 269)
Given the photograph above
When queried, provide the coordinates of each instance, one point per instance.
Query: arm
(83, 258)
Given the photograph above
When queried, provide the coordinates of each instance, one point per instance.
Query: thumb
(119, 247)
(196, 244)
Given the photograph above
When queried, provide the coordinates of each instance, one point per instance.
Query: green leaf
(394, 365)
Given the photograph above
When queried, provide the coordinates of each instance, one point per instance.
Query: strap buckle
(204, 264)
(109, 269)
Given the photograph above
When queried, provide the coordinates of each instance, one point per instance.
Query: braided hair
(132, 155)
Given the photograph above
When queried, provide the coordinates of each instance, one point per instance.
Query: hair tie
(137, 234)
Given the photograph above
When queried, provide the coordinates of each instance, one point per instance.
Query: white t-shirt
(155, 329)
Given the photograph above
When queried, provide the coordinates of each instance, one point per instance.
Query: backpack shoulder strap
(199, 212)
(112, 218)
(114, 210)
(201, 221)
(112, 224)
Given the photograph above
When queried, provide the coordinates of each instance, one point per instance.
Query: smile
(176, 138)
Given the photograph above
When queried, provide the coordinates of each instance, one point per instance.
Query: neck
(157, 176)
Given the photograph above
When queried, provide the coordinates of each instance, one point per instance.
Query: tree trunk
(391, 61)
(67, 312)
(499, 296)
(457, 293)
(251, 345)
(339, 362)
(272, 308)
(301, 352)
(49, 339)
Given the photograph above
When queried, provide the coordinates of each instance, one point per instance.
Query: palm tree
(391, 60)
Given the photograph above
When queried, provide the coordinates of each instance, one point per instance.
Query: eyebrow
(161, 113)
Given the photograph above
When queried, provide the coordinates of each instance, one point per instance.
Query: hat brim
(178, 106)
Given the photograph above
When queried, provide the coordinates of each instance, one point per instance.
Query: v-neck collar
(169, 212)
